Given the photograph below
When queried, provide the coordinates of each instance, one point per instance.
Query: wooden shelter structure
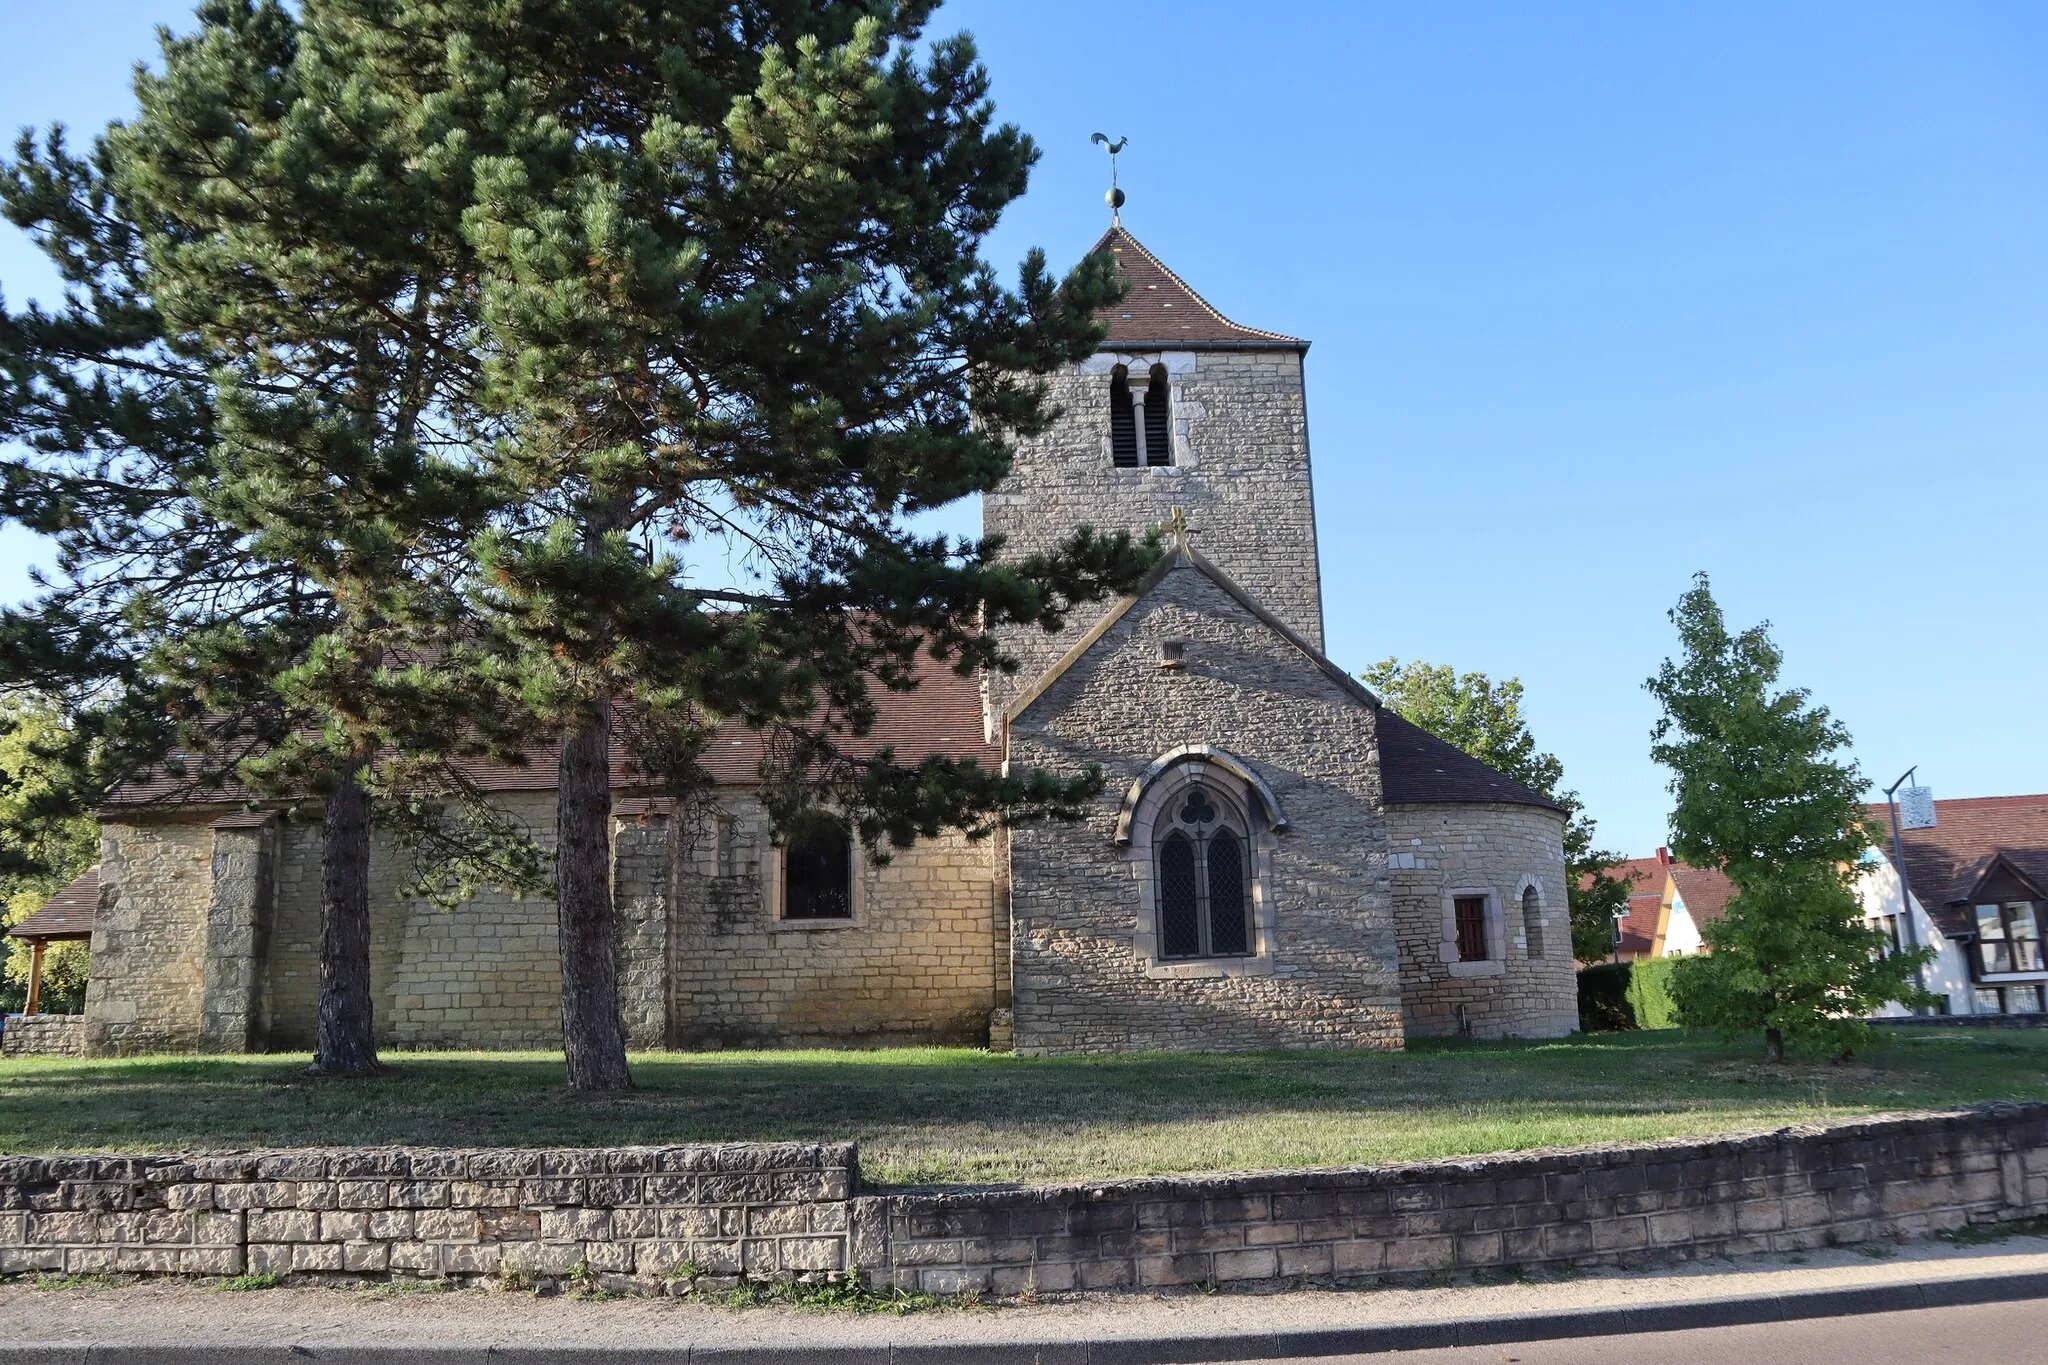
(65, 918)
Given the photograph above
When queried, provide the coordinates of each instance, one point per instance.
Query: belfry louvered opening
(1158, 419)
(1123, 420)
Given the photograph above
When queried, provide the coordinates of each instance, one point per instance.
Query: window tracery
(1204, 894)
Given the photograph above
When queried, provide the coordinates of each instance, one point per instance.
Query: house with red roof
(1669, 904)
(1974, 887)
(1277, 860)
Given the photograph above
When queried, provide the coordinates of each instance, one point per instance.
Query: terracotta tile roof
(1706, 892)
(942, 716)
(1645, 877)
(1418, 768)
(1161, 311)
(66, 915)
(1945, 863)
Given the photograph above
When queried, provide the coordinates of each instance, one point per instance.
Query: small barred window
(1470, 915)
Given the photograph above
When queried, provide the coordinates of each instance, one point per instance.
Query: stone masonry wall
(1241, 471)
(1083, 982)
(44, 1035)
(486, 974)
(916, 964)
(1790, 1190)
(149, 937)
(650, 1219)
(203, 928)
(634, 1215)
(1437, 851)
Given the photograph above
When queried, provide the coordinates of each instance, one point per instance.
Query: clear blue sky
(1601, 294)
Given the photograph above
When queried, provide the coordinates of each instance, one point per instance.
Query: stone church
(1278, 861)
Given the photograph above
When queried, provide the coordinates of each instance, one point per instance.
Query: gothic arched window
(1158, 419)
(1123, 420)
(1532, 921)
(1204, 883)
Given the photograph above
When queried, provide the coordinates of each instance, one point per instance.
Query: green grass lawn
(944, 1116)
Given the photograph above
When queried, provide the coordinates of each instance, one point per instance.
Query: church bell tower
(1180, 408)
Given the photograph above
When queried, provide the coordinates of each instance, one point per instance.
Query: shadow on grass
(956, 1115)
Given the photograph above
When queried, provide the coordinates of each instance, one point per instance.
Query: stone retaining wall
(648, 1218)
(635, 1215)
(44, 1035)
(1788, 1190)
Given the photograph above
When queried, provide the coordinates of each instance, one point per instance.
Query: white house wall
(1681, 935)
(1877, 887)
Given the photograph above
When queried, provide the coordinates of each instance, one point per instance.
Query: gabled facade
(1669, 904)
(1277, 861)
(1409, 890)
(1975, 889)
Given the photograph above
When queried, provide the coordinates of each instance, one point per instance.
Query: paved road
(1990, 1334)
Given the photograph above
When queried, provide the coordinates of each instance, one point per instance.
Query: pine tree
(734, 314)
(106, 434)
(308, 196)
(227, 431)
(1762, 795)
(1485, 720)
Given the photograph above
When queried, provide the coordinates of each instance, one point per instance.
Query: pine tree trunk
(592, 1038)
(342, 1040)
(1774, 1045)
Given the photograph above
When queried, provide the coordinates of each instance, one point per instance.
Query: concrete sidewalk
(174, 1322)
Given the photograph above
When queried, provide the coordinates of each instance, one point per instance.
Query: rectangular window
(1470, 912)
(1990, 1000)
(2023, 931)
(2022, 999)
(817, 872)
(1890, 925)
(2009, 937)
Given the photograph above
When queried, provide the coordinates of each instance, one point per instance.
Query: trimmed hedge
(1617, 996)
(1649, 992)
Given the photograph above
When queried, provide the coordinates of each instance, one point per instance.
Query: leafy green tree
(46, 840)
(1763, 794)
(737, 328)
(1484, 719)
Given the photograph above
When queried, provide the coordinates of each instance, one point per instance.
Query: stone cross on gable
(1177, 529)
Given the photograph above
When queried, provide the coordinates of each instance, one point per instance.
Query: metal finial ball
(1115, 199)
